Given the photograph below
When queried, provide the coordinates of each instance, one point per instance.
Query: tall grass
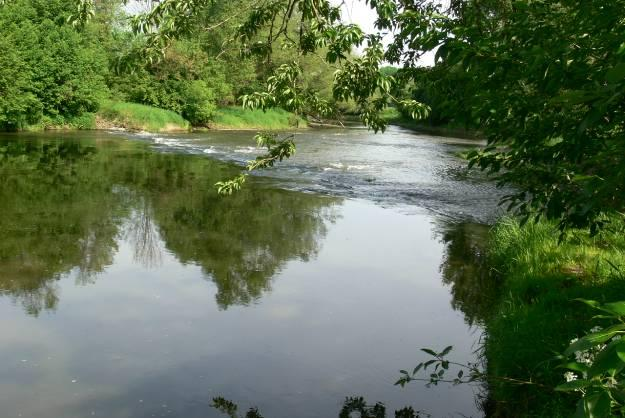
(141, 117)
(238, 118)
(85, 121)
(536, 315)
(535, 251)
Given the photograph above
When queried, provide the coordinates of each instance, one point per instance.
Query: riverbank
(535, 315)
(114, 115)
(236, 118)
(393, 117)
(138, 117)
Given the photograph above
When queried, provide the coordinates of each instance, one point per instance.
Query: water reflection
(241, 242)
(66, 205)
(57, 215)
(143, 233)
(466, 271)
(148, 243)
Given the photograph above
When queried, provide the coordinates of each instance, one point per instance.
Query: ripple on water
(394, 168)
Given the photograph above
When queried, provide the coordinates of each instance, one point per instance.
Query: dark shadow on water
(465, 269)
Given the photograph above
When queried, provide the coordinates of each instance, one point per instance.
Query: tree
(46, 67)
(179, 81)
(546, 82)
(18, 105)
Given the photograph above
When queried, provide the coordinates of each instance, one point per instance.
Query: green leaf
(615, 74)
(575, 366)
(430, 352)
(607, 361)
(594, 339)
(620, 351)
(597, 405)
(573, 385)
(579, 410)
(428, 363)
(589, 302)
(417, 368)
(574, 97)
(617, 308)
(446, 351)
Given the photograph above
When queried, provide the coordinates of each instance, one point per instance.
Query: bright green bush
(190, 98)
(180, 81)
(47, 68)
(18, 105)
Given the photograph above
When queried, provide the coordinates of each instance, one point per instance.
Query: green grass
(238, 118)
(391, 114)
(135, 116)
(84, 121)
(536, 315)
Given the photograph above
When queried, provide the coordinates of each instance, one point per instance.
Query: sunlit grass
(536, 315)
(238, 118)
(136, 116)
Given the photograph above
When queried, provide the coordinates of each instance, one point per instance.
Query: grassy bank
(535, 316)
(238, 118)
(47, 123)
(139, 117)
(394, 117)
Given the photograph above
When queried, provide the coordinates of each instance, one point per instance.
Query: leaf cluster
(602, 382)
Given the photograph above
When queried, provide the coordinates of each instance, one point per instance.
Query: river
(128, 288)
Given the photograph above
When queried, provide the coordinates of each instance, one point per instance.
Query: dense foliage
(47, 69)
(543, 81)
(59, 63)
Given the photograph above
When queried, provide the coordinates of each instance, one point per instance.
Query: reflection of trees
(56, 216)
(243, 240)
(465, 269)
(144, 236)
(66, 203)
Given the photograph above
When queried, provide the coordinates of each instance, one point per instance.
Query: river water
(128, 288)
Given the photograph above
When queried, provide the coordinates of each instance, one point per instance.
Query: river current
(128, 288)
